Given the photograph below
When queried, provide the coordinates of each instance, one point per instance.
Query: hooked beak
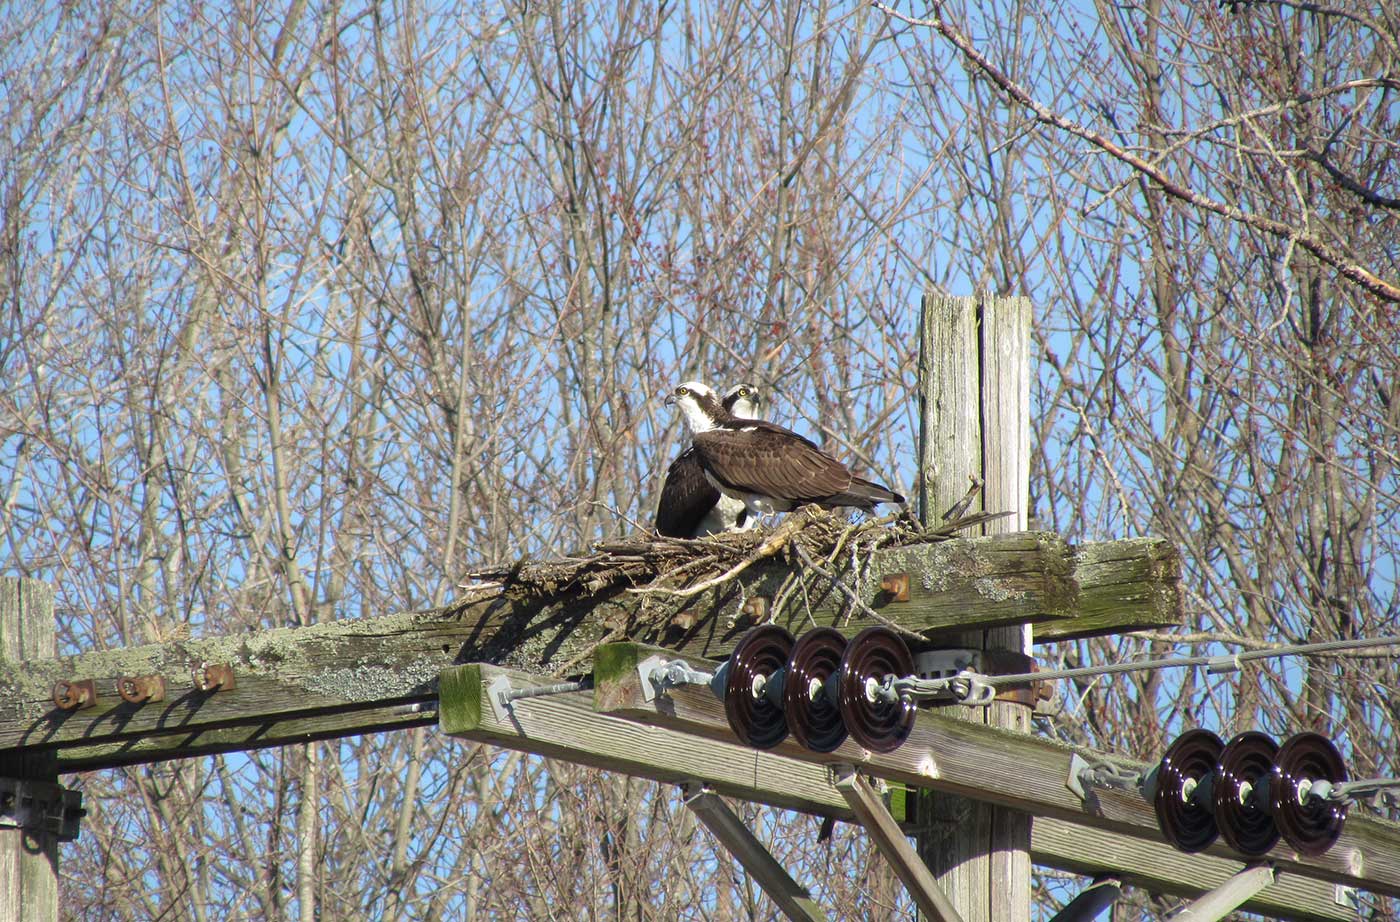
(670, 400)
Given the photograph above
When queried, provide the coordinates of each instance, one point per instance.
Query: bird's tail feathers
(862, 494)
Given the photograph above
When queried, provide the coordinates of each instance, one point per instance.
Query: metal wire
(966, 685)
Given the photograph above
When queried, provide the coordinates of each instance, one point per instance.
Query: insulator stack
(1251, 791)
(1241, 777)
(877, 722)
(1182, 792)
(1309, 823)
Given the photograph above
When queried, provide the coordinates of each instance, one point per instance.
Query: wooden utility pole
(28, 857)
(974, 365)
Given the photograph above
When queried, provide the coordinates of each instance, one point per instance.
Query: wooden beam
(28, 858)
(346, 677)
(1158, 868)
(1017, 770)
(255, 733)
(1228, 897)
(1128, 585)
(894, 845)
(567, 727)
(791, 898)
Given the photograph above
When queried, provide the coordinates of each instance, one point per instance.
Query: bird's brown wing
(686, 496)
(763, 458)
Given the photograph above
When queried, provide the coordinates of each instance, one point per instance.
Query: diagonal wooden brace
(893, 844)
(790, 897)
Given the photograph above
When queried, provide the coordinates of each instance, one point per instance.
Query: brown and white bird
(765, 466)
(691, 506)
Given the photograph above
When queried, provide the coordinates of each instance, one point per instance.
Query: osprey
(690, 506)
(767, 467)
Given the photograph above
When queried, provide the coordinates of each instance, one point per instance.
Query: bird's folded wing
(686, 496)
(770, 461)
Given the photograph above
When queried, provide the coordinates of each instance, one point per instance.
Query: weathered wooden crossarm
(1125, 585)
(567, 726)
(346, 677)
(985, 763)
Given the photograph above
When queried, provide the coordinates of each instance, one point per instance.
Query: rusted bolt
(213, 677)
(141, 688)
(895, 586)
(75, 695)
(756, 608)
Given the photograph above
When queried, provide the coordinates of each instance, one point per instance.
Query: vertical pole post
(28, 859)
(974, 361)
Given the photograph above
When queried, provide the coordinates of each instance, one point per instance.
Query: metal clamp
(971, 690)
(41, 806)
(502, 696)
(1343, 791)
(1084, 775)
(141, 688)
(213, 677)
(74, 695)
(657, 673)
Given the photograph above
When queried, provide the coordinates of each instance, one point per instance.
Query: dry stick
(962, 505)
(785, 592)
(774, 543)
(853, 595)
(698, 563)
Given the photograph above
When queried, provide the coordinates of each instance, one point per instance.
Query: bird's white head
(699, 406)
(744, 401)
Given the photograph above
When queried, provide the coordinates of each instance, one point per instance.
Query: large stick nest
(818, 547)
(681, 567)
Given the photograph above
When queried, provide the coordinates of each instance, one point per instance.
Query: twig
(961, 506)
(774, 543)
(854, 597)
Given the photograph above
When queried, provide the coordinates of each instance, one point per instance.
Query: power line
(976, 688)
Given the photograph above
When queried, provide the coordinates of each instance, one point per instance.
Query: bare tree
(309, 308)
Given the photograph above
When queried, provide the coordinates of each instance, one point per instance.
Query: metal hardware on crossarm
(41, 806)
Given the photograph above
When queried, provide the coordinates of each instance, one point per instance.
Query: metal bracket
(496, 695)
(1084, 775)
(944, 664)
(1078, 769)
(141, 689)
(213, 677)
(657, 673)
(644, 671)
(74, 695)
(41, 806)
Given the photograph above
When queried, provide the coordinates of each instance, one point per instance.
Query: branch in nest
(853, 596)
(962, 505)
(770, 546)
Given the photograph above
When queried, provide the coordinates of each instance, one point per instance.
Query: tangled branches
(685, 567)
